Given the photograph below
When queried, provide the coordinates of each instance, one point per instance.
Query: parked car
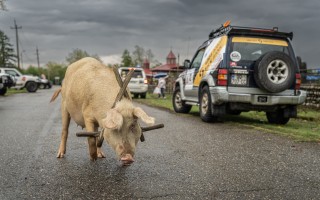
(138, 84)
(31, 83)
(240, 69)
(44, 82)
(6, 81)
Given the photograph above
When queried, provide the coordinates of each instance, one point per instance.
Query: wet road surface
(188, 159)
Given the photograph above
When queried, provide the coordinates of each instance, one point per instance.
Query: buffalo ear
(138, 112)
(114, 120)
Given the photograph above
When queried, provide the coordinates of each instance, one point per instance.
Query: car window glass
(13, 73)
(197, 59)
(136, 74)
(253, 51)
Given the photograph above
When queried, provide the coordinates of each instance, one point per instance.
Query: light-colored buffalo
(88, 91)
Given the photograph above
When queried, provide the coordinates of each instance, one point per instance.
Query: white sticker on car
(235, 56)
(189, 79)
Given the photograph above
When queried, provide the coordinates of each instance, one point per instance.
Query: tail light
(298, 81)
(145, 81)
(222, 77)
(24, 78)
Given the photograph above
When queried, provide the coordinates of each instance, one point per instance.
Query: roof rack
(227, 29)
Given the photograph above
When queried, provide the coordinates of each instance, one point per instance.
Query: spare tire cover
(274, 72)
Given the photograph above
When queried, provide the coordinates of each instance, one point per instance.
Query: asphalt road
(188, 159)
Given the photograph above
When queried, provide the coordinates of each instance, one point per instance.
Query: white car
(31, 83)
(138, 84)
(6, 81)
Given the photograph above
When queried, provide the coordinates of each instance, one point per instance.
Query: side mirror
(186, 64)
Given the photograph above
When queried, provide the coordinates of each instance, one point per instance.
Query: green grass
(14, 91)
(304, 128)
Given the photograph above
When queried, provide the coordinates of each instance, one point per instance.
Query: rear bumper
(138, 89)
(221, 95)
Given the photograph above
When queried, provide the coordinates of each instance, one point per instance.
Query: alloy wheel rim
(277, 71)
(204, 103)
(178, 100)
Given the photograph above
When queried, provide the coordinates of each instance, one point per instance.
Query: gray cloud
(109, 27)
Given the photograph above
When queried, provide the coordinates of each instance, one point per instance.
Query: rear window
(136, 73)
(250, 49)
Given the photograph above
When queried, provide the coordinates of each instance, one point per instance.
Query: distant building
(146, 68)
(170, 66)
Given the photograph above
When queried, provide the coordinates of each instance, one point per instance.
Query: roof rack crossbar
(238, 29)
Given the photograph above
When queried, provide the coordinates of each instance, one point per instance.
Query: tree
(7, 56)
(150, 55)
(77, 54)
(126, 59)
(138, 55)
(56, 70)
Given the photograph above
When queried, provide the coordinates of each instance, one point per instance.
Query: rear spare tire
(274, 72)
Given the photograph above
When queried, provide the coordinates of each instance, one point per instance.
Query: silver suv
(241, 69)
(138, 84)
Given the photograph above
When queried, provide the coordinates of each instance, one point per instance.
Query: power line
(17, 40)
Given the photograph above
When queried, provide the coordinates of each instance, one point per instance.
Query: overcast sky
(107, 27)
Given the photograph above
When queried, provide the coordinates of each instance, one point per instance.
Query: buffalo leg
(64, 133)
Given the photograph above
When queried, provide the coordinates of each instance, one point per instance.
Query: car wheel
(143, 95)
(3, 91)
(206, 105)
(178, 104)
(274, 72)
(31, 86)
(277, 117)
(135, 96)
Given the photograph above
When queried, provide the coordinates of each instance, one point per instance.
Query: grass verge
(14, 91)
(304, 128)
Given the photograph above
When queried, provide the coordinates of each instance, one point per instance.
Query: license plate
(262, 99)
(238, 79)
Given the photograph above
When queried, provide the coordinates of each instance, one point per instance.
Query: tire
(31, 86)
(3, 91)
(143, 95)
(277, 117)
(179, 106)
(274, 72)
(42, 86)
(206, 105)
(135, 96)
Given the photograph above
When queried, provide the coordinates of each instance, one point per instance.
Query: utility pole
(17, 41)
(37, 51)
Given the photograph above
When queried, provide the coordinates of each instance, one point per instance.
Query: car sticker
(260, 41)
(189, 79)
(212, 57)
(235, 56)
(232, 64)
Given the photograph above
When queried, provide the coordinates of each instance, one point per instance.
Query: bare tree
(138, 55)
